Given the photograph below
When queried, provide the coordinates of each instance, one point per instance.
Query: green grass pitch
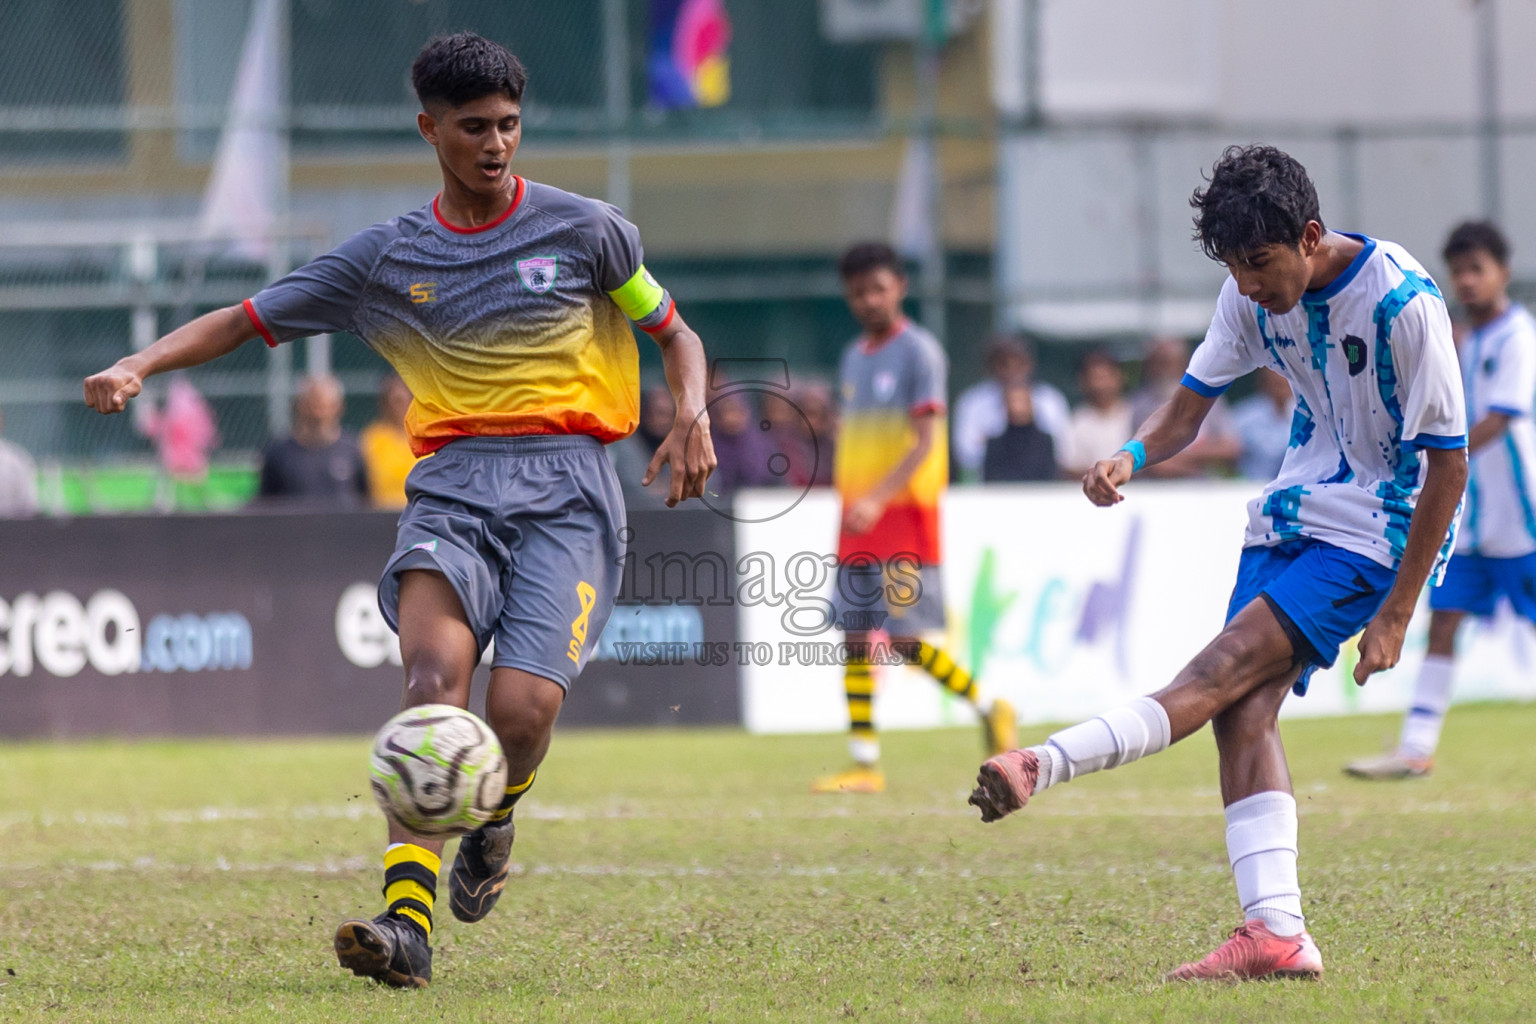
(689, 876)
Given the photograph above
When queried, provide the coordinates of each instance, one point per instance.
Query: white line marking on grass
(355, 865)
(1090, 807)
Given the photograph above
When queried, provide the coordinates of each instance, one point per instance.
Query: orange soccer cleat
(1254, 952)
(1005, 783)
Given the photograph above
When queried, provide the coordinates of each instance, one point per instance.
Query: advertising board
(269, 624)
(1067, 609)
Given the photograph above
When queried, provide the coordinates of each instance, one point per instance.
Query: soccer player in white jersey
(1496, 546)
(1359, 518)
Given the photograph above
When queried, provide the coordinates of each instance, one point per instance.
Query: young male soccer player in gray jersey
(1359, 518)
(452, 307)
(891, 468)
(502, 305)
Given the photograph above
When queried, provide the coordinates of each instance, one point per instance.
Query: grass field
(688, 876)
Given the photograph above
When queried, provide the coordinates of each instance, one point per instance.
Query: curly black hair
(1475, 235)
(1256, 196)
(461, 68)
(867, 256)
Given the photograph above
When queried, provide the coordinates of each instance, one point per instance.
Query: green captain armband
(638, 297)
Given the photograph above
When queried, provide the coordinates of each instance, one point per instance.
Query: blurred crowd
(1009, 427)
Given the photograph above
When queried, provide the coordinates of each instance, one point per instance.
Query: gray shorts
(901, 599)
(527, 529)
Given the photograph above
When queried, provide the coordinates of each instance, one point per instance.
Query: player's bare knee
(1254, 716)
(1245, 722)
(521, 726)
(430, 682)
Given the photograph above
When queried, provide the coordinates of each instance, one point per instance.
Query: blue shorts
(1474, 584)
(1321, 594)
(528, 531)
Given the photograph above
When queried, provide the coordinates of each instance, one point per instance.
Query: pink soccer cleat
(1005, 783)
(1254, 952)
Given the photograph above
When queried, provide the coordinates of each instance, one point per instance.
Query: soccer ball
(438, 771)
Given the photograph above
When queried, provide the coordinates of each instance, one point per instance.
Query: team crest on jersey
(1354, 351)
(538, 272)
(885, 385)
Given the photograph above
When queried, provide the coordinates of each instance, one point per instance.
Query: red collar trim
(869, 344)
(517, 200)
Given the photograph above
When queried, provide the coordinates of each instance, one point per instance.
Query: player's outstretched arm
(1168, 431)
(208, 337)
(1488, 430)
(687, 448)
(1382, 642)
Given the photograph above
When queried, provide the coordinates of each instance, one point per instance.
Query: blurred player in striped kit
(1496, 547)
(891, 468)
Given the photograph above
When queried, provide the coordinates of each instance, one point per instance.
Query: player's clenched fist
(1381, 645)
(109, 390)
(1102, 482)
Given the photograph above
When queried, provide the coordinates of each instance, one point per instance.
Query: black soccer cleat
(480, 870)
(386, 949)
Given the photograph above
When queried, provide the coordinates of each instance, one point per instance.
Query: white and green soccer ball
(437, 771)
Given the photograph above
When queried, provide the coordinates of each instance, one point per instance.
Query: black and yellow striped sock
(410, 884)
(937, 663)
(859, 685)
(514, 794)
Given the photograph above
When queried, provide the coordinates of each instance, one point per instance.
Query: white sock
(1117, 737)
(1261, 844)
(865, 752)
(1431, 698)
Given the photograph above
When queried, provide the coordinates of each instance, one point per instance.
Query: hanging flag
(912, 233)
(689, 61)
(245, 192)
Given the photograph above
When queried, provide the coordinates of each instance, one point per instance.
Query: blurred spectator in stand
(1263, 426)
(743, 445)
(802, 431)
(1216, 447)
(1163, 363)
(1023, 451)
(387, 447)
(320, 464)
(815, 399)
(18, 480)
(184, 430)
(1102, 423)
(981, 412)
(631, 455)
(792, 448)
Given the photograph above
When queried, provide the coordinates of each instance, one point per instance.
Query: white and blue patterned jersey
(1498, 364)
(1374, 369)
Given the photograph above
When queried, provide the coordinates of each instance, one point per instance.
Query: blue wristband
(1138, 454)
